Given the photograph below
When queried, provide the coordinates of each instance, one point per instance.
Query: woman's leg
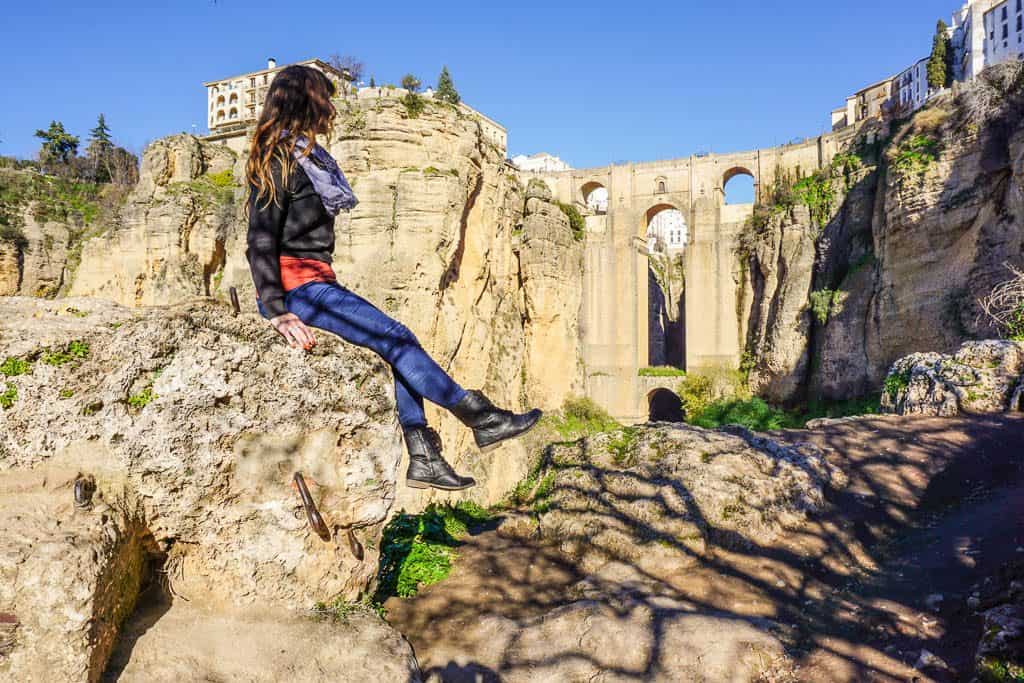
(337, 310)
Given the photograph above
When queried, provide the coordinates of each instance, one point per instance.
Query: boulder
(981, 377)
(189, 424)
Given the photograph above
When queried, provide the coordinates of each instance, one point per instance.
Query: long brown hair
(299, 102)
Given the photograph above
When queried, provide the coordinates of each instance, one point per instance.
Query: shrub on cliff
(576, 222)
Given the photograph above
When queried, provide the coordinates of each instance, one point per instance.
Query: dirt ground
(933, 505)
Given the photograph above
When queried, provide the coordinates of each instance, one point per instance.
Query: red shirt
(296, 272)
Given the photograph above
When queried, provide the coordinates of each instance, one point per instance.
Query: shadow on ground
(932, 505)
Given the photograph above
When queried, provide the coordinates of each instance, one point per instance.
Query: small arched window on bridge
(595, 197)
(661, 186)
(738, 186)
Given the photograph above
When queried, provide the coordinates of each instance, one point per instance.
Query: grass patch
(9, 396)
(661, 371)
(12, 367)
(752, 413)
(340, 610)
(581, 417)
(418, 550)
(75, 351)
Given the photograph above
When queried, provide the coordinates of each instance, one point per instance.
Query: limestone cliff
(913, 225)
(445, 238)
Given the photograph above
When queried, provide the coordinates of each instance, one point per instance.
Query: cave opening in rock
(665, 406)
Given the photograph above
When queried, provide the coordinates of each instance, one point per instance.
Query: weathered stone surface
(638, 637)
(188, 643)
(650, 495)
(981, 377)
(192, 423)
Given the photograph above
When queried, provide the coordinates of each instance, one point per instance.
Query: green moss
(661, 371)
(418, 550)
(993, 670)
(75, 351)
(142, 399)
(896, 382)
(12, 367)
(868, 405)
(339, 610)
(576, 221)
(915, 154)
(211, 190)
(9, 396)
(623, 447)
(66, 393)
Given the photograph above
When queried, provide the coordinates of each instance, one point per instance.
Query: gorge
(123, 363)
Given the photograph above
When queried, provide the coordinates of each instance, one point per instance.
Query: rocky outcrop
(189, 424)
(918, 233)
(649, 496)
(981, 377)
(168, 243)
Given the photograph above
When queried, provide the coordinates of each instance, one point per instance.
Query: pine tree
(446, 91)
(373, 83)
(100, 135)
(58, 144)
(938, 63)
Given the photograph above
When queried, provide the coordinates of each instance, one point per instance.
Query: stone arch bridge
(616, 317)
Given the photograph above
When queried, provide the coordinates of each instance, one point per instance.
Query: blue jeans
(333, 308)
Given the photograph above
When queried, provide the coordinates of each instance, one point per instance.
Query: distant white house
(667, 231)
(986, 32)
(911, 87)
(542, 162)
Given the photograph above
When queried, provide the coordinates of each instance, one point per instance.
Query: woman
(296, 190)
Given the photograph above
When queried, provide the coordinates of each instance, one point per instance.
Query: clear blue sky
(592, 82)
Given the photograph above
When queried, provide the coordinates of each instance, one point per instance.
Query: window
(1006, 32)
(661, 187)
(1019, 3)
(1004, 12)
(1020, 22)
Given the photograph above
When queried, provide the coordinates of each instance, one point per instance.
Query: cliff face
(919, 229)
(445, 239)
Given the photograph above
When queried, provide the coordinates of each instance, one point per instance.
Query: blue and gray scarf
(327, 178)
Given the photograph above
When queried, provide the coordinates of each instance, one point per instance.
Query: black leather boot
(492, 425)
(426, 466)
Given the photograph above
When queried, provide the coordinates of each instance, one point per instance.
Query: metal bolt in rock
(85, 487)
(316, 522)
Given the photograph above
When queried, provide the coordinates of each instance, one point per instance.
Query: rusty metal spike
(234, 300)
(354, 545)
(316, 522)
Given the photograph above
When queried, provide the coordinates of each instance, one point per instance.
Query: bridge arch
(594, 196)
(664, 405)
(665, 223)
(744, 185)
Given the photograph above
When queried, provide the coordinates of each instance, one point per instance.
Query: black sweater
(295, 225)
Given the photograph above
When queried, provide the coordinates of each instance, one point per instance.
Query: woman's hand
(294, 331)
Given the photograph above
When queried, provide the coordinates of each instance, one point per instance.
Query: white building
(986, 32)
(542, 162)
(235, 103)
(667, 231)
(911, 87)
